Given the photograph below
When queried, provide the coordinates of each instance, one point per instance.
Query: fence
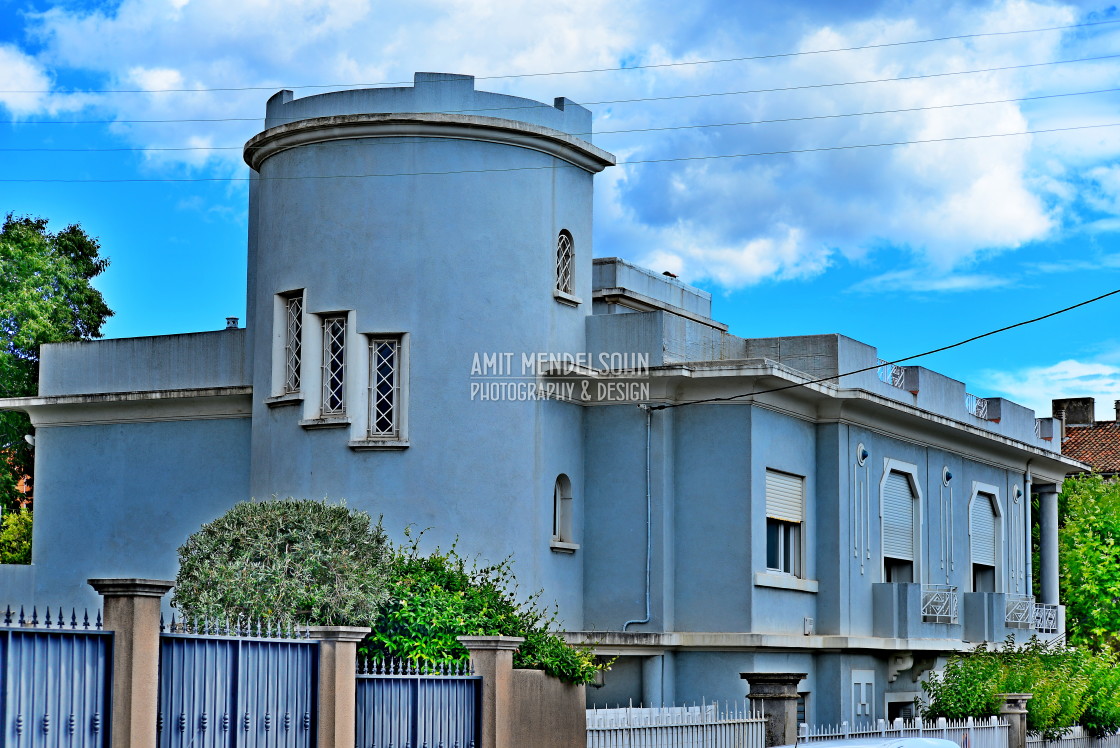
(1075, 738)
(55, 680)
(706, 726)
(967, 733)
(405, 704)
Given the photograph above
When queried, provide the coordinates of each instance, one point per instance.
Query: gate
(233, 688)
(410, 705)
(54, 681)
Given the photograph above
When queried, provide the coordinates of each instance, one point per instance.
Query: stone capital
(472, 643)
(131, 587)
(773, 685)
(337, 633)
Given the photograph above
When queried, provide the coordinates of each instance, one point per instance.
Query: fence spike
(267, 721)
(203, 722)
(287, 721)
(61, 618)
(95, 723)
(73, 618)
(246, 722)
(72, 724)
(19, 724)
(47, 620)
(22, 620)
(225, 722)
(161, 626)
(8, 616)
(46, 723)
(35, 616)
(182, 721)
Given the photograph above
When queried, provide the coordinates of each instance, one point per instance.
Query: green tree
(46, 296)
(15, 537)
(1089, 558)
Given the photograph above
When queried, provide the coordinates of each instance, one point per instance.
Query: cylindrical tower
(404, 244)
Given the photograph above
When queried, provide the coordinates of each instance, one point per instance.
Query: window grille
(565, 256)
(334, 366)
(384, 388)
(293, 347)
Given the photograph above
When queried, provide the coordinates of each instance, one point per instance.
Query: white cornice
(135, 407)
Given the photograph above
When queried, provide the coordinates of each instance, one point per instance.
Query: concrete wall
(546, 712)
(612, 272)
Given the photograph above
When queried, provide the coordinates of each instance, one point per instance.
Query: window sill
(329, 422)
(279, 401)
(559, 546)
(372, 445)
(784, 581)
(566, 298)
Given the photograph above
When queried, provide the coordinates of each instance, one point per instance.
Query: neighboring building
(1096, 443)
(410, 251)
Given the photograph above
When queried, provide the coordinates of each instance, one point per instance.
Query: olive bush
(289, 560)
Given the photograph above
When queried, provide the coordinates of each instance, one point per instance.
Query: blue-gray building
(429, 338)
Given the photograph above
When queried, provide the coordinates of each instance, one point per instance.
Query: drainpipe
(649, 519)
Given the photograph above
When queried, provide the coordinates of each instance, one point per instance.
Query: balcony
(915, 611)
(939, 603)
(1019, 612)
(1047, 618)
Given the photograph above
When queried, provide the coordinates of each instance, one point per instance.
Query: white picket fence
(1075, 738)
(703, 726)
(967, 733)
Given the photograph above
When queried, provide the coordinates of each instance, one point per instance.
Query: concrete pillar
(131, 612)
(492, 658)
(1014, 710)
(775, 694)
(1048, 543)
(338, 671)
(653, 674)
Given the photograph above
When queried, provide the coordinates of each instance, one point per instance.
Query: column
(775, 694)
(1048, 542)
(131, 612)
(492, 658)
(1014, 710)
(338, 671)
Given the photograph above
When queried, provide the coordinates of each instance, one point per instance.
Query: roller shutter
(898, 517)
(785, 496)
(983, 530)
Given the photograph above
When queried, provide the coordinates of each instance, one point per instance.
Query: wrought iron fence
(410, 704)
(967, 733)
(1019, 611)
(1046, 618)
(676, 727)
(939, 603)
(55, 679)
(891, 374)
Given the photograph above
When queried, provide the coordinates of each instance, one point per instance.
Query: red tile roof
(1098, 445)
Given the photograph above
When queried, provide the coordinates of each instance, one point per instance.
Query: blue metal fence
(406, 705)
(55, 678)
(232, 690)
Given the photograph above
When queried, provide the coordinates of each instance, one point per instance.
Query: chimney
(231, 323)
(1080, 411)
(1060, 414)
(1117, 406)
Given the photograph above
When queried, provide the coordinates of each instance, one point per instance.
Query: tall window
(384, 388)
(562, 510)
(785, 513)
(293, 346)
(334, 366)
(984, 541)
(565, 258)
(898, 528)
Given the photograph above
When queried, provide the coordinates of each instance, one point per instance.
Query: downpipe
(649, 520)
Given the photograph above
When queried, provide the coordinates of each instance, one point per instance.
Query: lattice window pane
(564, 258)
(334, 366)
(384, 388)
(293, 347)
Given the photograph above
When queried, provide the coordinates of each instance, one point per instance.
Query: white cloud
(22, 73)
(1036, 386)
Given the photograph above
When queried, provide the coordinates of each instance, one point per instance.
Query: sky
(909, 174)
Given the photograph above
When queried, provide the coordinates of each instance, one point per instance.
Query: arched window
(562, 535)
(565, 259)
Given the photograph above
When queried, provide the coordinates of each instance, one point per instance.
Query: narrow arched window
(562, 535)
(565, 259)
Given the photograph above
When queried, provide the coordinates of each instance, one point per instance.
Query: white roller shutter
(983, 530)
(898, 517)
(785, 496)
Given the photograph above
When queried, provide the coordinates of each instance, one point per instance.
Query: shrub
(15, 537)
(294, 561)
(968, 687)
(437, 597)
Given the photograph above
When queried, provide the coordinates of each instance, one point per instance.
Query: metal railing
(977, 406)
(1076, 737)
(1045, 618)
(676, 727)
(968, 733)
(1019, 611)
(890, 374)
(939, 603)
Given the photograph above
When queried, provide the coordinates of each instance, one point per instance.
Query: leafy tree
(15, 537)
(437, 597)
(288, 560)
(1089, 558)
(45, 297)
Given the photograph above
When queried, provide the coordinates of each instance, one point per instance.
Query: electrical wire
(666, 406)
(807, 118)
(586, 70)
(634, 162)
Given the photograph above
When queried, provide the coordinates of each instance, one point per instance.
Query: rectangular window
(293, 346)
(384, 416)
(334, 367)
(785, 513)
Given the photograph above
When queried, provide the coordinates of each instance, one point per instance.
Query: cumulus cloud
(1036, 386)
(22, 73)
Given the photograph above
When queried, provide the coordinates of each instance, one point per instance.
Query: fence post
(131, 612)
(775, 694)
(492, 658)
(338, 672)
(1014, 709)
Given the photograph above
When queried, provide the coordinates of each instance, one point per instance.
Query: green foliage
(1089, 556)
(1068, 686)
(45, 297)
(306, 562)
(437, 597)
(15, 537)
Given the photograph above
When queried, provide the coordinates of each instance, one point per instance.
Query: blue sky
(905, 247)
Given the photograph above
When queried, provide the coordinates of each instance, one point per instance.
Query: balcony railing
(1020, 612)
(1045, 618)
(939, 603)
(977, 406)
(893, 375)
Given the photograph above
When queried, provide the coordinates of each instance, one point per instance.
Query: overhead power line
(634, 162)
(958, 344)
(539, 105)
(585, 71)
(806, 118)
